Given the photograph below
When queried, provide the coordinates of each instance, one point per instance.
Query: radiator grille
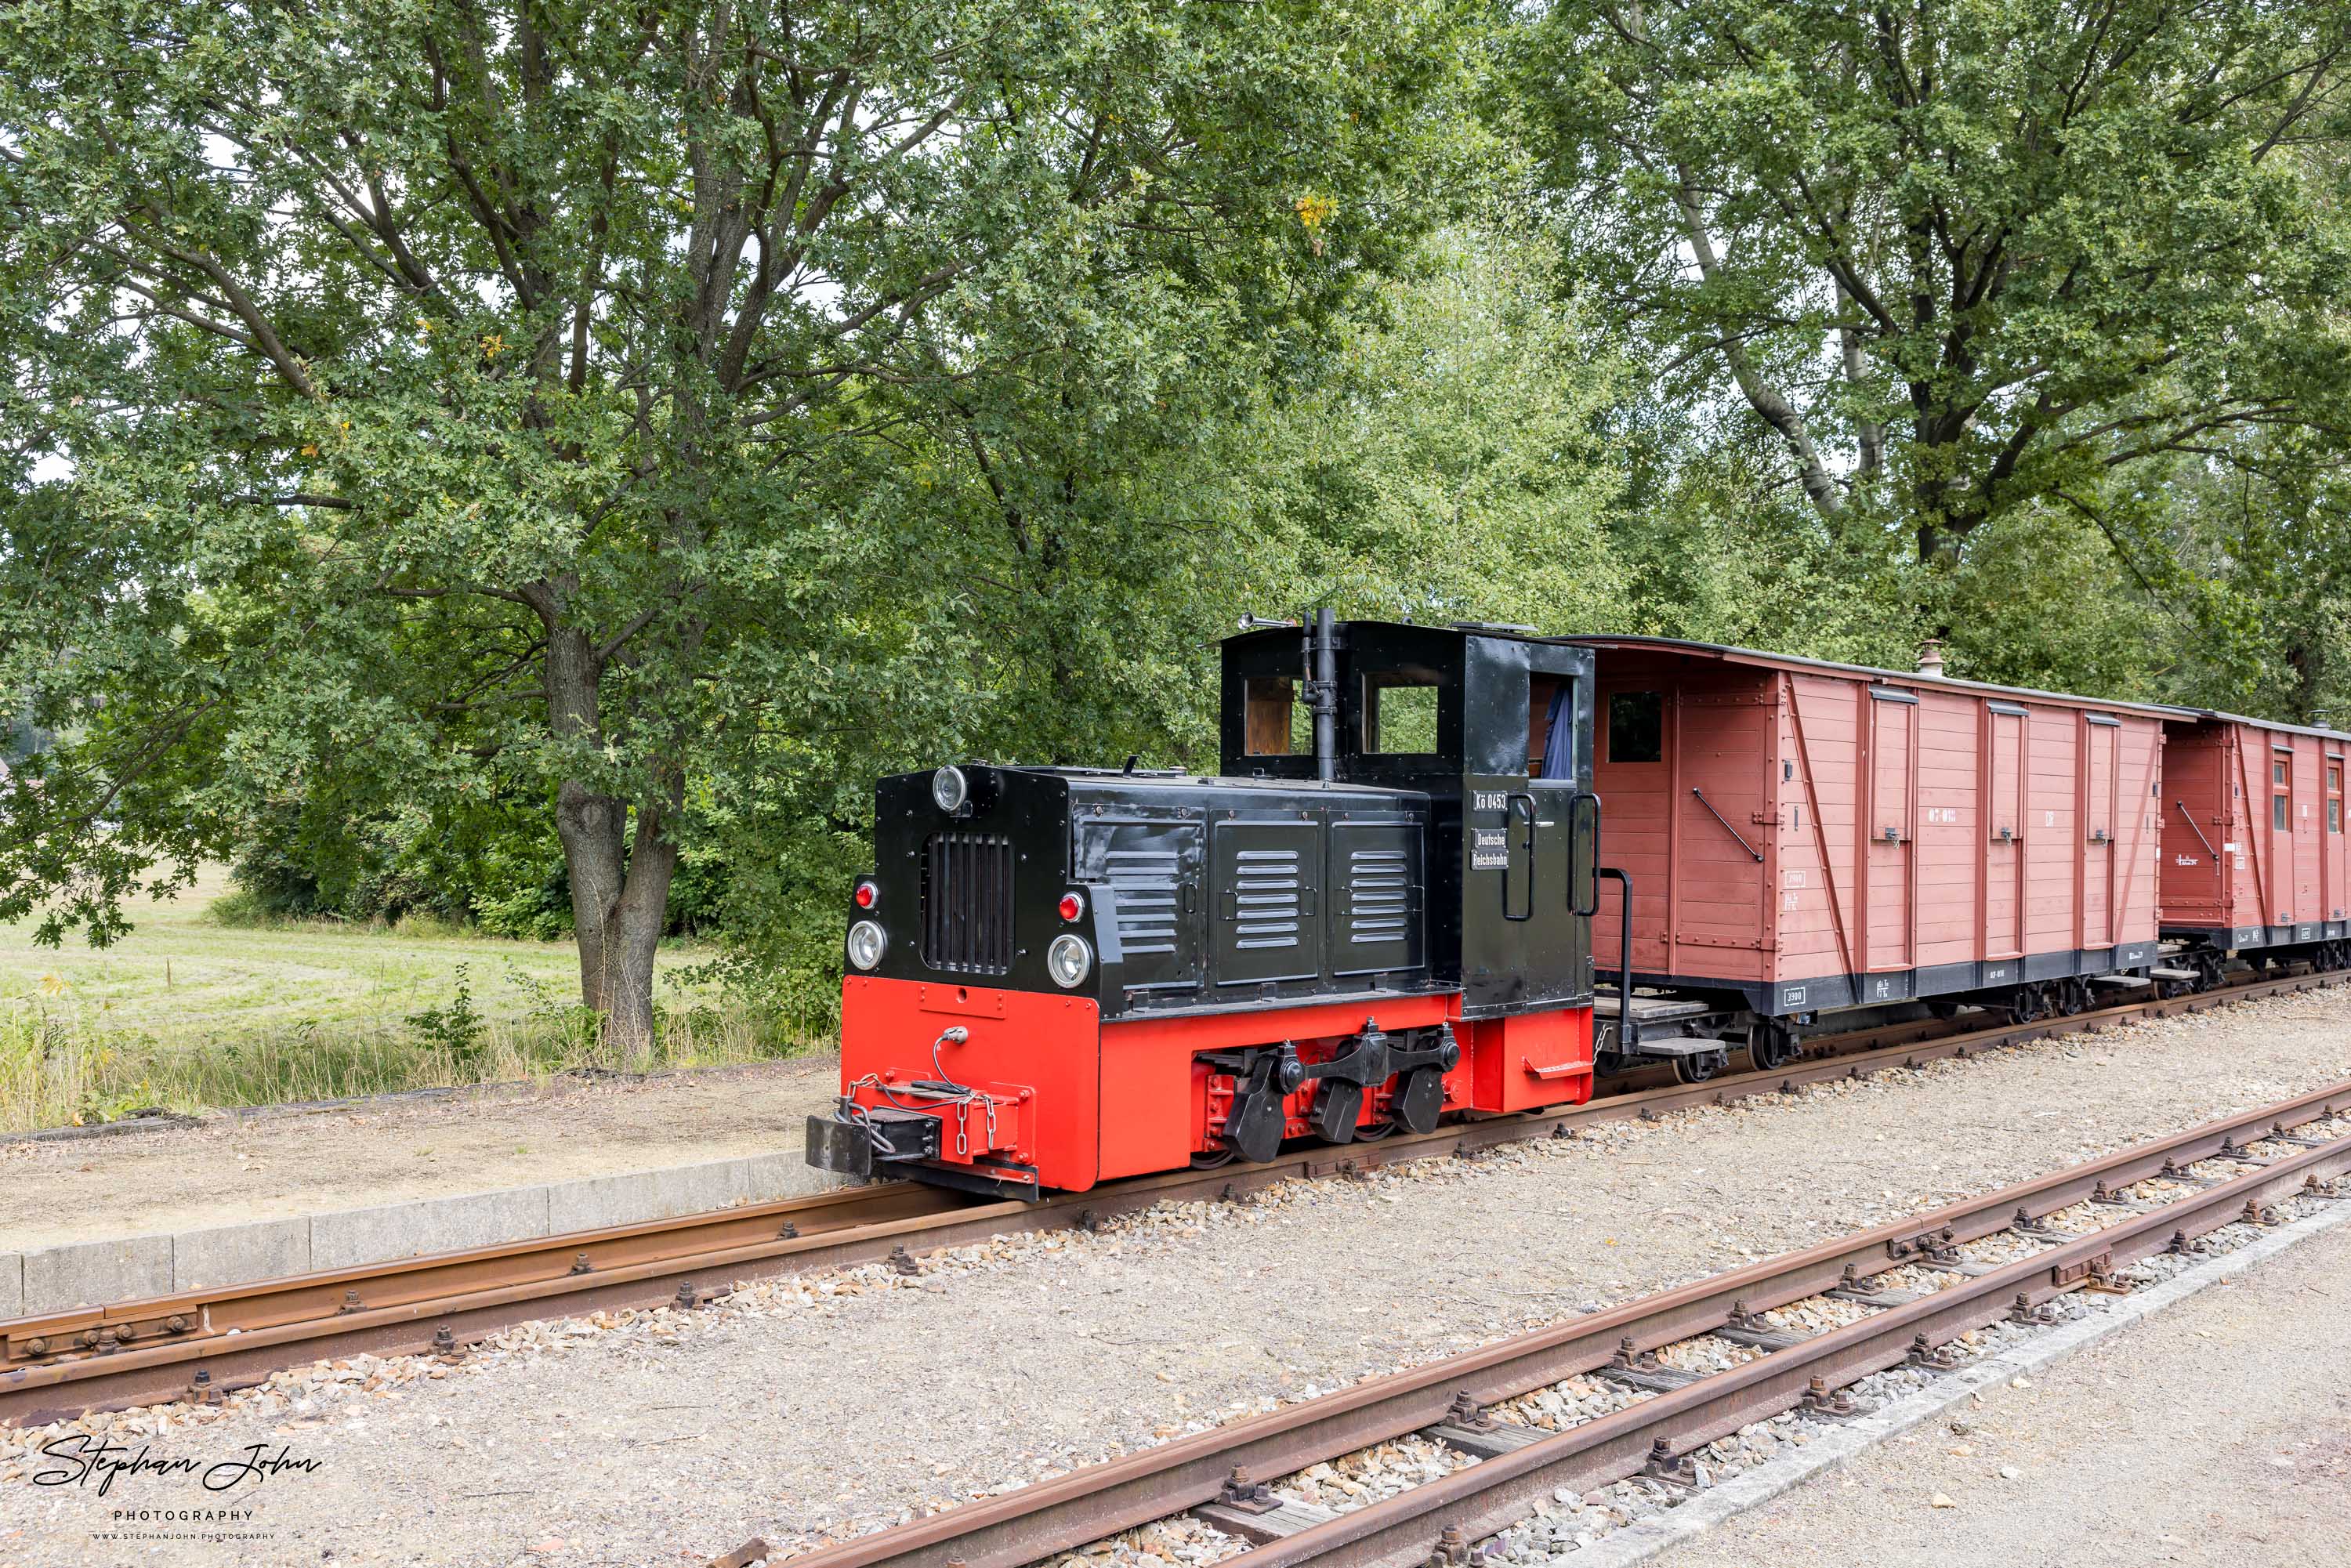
(967, 903)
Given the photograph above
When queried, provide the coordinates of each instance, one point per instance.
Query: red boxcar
(1804, 836)
(2254, 846)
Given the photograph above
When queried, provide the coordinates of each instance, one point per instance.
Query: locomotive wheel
(1337, 1110)
(1420, 1099)
(1697, 1066)
(1254, 1126)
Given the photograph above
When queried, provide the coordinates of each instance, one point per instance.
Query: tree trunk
(619, 890)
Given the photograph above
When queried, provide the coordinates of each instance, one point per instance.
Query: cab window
(1399, 714)
(1278, 724)
(1551, 712)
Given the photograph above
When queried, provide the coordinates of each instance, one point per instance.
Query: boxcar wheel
(1771, 1045)
(1697, 1066)
(2027, 1005)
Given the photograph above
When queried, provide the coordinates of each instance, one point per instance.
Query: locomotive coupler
(853, 1140)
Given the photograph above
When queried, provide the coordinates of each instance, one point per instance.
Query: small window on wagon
(2280, 818)
(1275, 723)
(1636, 726)
(2277, 770)
(1400, 714)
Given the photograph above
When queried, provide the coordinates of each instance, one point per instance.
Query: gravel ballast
(2217, 1430)
(812, 1409)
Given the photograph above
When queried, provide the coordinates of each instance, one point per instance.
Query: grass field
(187, 1012)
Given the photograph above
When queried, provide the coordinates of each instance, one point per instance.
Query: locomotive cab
(1494, 726)
(1378, 913)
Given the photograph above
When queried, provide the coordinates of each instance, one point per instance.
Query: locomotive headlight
(950, 790)
(867, 942)
(1068, 960)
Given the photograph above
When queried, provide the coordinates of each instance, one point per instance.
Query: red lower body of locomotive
(1050, 1094)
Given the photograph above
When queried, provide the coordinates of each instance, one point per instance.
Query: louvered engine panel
(1376, 909)
(1266, 877)
(1153, 869)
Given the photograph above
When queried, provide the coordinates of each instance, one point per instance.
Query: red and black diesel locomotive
(1383, 908)
(1379, 912)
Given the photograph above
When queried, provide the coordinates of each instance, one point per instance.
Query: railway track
(197, 1343)
(2191, 1183)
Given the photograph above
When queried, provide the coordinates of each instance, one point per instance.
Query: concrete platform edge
(1833, 1446)
(93, 1273)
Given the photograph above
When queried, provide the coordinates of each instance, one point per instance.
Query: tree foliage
(1961, 258)
(591, 405)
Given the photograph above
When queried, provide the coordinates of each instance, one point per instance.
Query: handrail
(1727, 827)
(1574, 905)
(1625, 982)
(2192, 828)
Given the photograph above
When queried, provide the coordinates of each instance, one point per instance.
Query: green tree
(1453, 460)
(577, 402)
(1961, 257)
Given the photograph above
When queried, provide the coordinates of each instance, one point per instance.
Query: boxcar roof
(2318, 729)
(1904, 677)
(1765, 660)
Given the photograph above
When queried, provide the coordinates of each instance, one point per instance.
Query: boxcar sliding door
(2098, 832)
(1893, 731)
(2004, 835)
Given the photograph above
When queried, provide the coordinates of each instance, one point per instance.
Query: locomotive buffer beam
(884, 1142)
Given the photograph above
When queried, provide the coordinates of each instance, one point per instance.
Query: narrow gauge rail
(196, 1344)
(1519, 1466)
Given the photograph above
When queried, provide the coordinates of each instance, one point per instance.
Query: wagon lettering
(2187, 860)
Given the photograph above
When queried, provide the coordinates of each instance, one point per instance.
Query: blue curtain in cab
(1558, 740)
